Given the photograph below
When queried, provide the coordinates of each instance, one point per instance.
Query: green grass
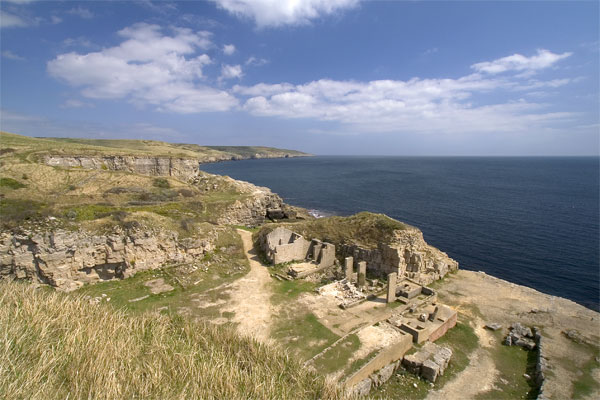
(25, 146)
(13, 212)
(512, 362)
(11, 183)
(337, 356)
(57, 346)
(585, 385)
(289, 290)
(302, 333)
(365, 228)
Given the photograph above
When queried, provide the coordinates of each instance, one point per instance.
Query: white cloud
(415, 105)
(147, 68)
(283, 12)
(55, 19)
(517, 62)
(228, 49)
(256, 61)
(12, 56)
(231, 72)
(79, 41)
(81, 12)
(74, 103)
(8, 20)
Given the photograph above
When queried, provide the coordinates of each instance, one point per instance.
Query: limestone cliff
(406, 253)
(182, 168)
(67, 260)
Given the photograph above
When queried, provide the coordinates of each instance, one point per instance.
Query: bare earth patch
(158, 286)
(251, 296)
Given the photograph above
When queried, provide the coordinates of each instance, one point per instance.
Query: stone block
(363, 387)
(383, 375)
(349, 267)
(362, 274)
(391, 289)
(430, 371)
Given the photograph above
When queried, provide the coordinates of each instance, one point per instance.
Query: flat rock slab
(158, 286)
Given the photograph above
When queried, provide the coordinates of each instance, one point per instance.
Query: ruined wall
(182, 168)
(67, 260)
(449, 323)
(406, 254)
(385, 356)
(282, 245)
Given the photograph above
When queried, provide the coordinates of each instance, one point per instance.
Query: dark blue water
(531, 221)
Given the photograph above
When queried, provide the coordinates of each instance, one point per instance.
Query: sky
(475, 78)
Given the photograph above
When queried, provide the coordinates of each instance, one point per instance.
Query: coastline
(509, 241)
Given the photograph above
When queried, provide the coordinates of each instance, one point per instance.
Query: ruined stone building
(282, 245)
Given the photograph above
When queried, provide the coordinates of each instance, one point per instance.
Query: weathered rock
(493, 326)
(429, 362)
(182, 168)
(363, 387)
(407, 253)
(520, 330)
(384, 374)
(430, 370)
(67, 260)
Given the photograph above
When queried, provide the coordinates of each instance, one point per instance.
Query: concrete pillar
(391, 289)
(362, 273)
(349, 267)
(317, 251)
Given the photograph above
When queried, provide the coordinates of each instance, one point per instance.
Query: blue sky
(327, 77)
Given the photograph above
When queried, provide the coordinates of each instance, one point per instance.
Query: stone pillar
(391, 289)
(362, 273)
(349, 267)
(316, 250)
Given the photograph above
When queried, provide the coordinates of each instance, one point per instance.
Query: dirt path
(251, 296)
(478, 377)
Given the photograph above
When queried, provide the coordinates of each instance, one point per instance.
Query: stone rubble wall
(407, 254)
(540, 364)
(68, 260)
(366, 376)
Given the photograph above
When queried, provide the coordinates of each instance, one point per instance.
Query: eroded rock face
(407, 254)
(182, 168)
(68, 260)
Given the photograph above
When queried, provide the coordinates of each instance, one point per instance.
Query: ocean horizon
(531, 220)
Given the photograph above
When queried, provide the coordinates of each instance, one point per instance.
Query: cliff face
(182, 168)
(68, 260)
(407, 254)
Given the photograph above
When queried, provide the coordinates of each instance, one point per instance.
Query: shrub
(161, 183)
(11, 183)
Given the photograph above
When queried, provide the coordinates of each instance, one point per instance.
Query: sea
(533, 221)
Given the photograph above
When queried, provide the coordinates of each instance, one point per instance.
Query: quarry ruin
(412, 314)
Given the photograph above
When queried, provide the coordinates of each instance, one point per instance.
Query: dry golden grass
(56, 346)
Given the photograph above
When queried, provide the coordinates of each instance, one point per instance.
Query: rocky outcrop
(182, 168)
(407, 254)
(67, 260)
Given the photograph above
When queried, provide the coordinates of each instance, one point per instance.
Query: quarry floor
(479, 297)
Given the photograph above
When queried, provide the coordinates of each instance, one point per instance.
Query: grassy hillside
(32, 191)
(29, 146)
(55, 346)
(365, 229)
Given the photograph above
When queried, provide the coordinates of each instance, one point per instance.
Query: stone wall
(67, 260)
(383, 358)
